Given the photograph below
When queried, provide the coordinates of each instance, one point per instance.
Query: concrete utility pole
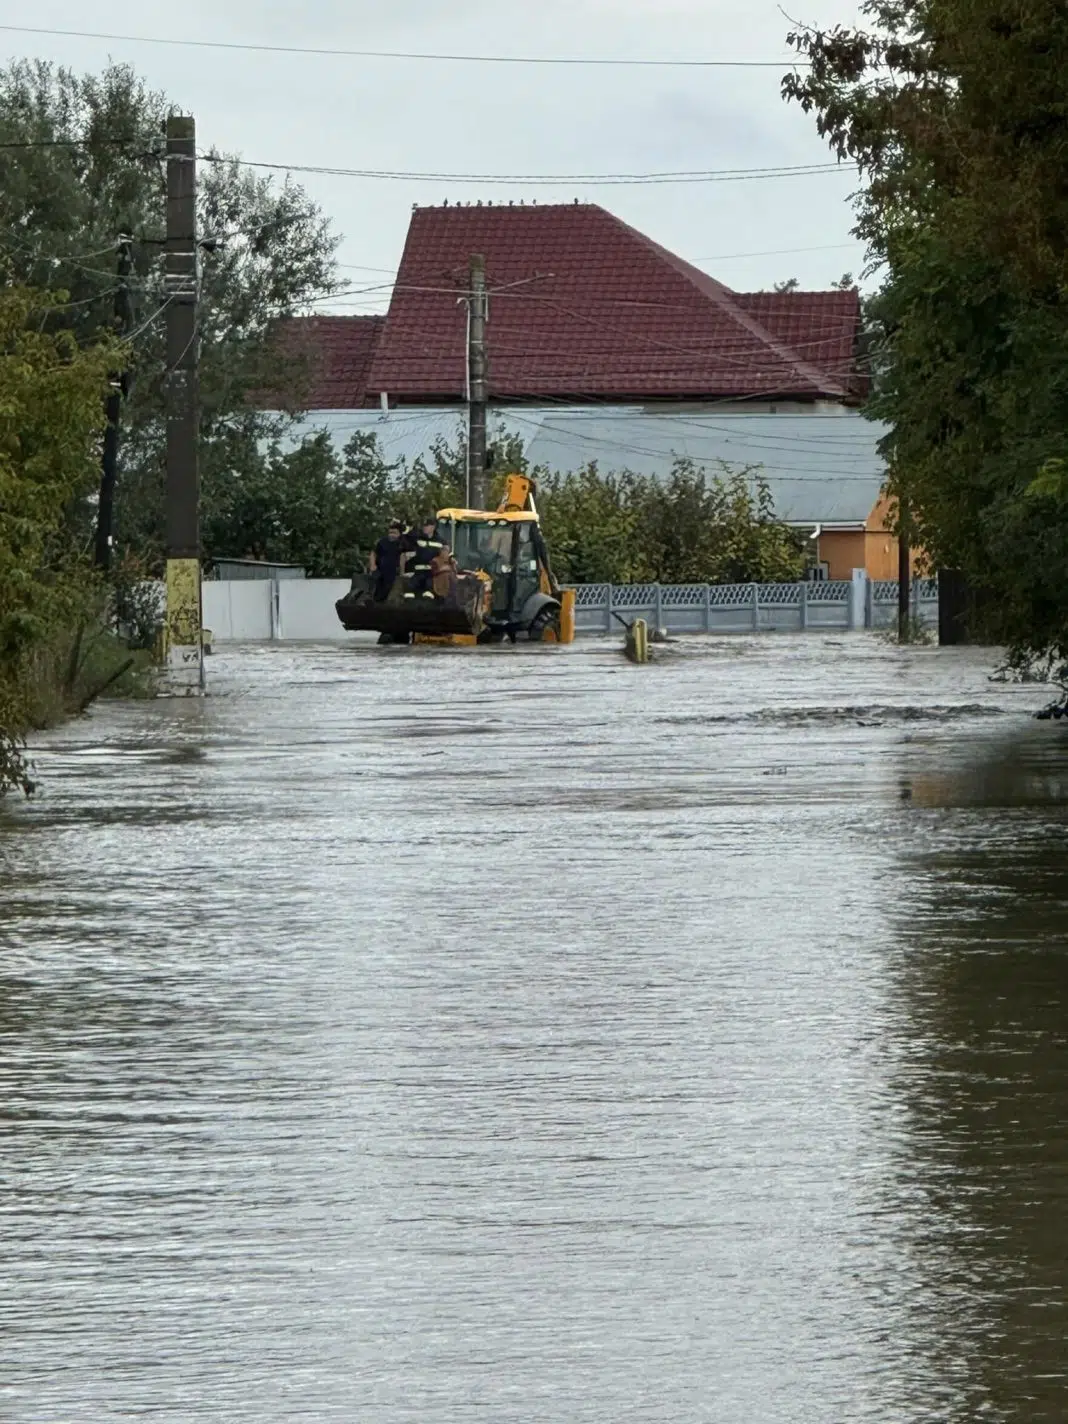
(105, 514)
(185, 649)
(476, 400)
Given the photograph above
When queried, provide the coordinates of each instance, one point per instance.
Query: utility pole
(476, 399)
(119, 388)
(904, 561)
(185, 644)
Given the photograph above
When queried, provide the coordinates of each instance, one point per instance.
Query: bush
(692, 528)
(137, 605)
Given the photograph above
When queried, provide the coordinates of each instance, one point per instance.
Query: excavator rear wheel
(548, 618)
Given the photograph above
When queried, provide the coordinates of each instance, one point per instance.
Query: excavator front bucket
(400, 617)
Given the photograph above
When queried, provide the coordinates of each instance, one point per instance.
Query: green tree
(91, 169)
(955, 112)
(591, 524)
(693, 527)
(51, 417)
(302, 505)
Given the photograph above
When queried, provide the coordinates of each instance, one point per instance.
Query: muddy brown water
(521, 1035)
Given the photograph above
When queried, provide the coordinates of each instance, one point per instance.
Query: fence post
(858, 598)
(608, 608)
(276, 611)
(803, 604)
(658, 607)
(708, 608)
(755, 595)
(915, 594)
(869, 603)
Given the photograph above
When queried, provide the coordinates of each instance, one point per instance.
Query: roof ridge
(503, 205)
(631, 320)
(722, 295)
(348, 317)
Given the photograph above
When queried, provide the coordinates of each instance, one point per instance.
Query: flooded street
(520, 1035)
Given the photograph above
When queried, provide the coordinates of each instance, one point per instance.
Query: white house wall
(820, 462)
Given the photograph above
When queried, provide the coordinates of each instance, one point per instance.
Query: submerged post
(636, 641)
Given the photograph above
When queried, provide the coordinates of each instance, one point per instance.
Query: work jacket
(423, 551)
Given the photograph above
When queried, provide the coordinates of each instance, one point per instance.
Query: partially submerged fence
(859, 602)
(277, 609)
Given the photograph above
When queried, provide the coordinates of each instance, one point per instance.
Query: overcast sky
(449, 118)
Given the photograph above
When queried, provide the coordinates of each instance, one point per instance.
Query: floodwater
(520, 1035)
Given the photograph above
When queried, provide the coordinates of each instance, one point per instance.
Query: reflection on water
(524, 1035)
(984, 970)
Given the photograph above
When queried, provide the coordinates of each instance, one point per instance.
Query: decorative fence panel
(749, 607)
(882, 603)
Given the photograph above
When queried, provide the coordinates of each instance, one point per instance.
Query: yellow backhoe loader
(503, 586)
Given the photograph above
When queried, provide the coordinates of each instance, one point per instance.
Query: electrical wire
(697, 362)
(149, 321)
(790, 62)
(557, 180)
(601, 442)
(713, 175)
(31, 143)
(795, 473)
(718, 257)
(699, 348)
(669, 347)
(773, 252)
(82, 302)
(359, 267)
(56, 260)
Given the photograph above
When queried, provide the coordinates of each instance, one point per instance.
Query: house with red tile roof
(596, 327)
(582, 308)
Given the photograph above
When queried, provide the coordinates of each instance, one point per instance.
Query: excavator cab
(504, 587)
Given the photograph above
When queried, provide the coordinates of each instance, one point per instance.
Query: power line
(794, 473)
(64, 142)
(81, 302)
(149, 322)
(719, 257)
(683, 422)
(579, 61)
(775, 252)
(798, 472)
(361, 267)
(558, 180)
(710, 175)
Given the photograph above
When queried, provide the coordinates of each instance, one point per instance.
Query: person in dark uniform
(386, 561)
(424, 546)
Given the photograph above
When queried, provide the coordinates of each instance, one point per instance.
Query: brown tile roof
(338, 352)
(582, 307)
(820, 326)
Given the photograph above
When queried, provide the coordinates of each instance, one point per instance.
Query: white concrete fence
(275, 610)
